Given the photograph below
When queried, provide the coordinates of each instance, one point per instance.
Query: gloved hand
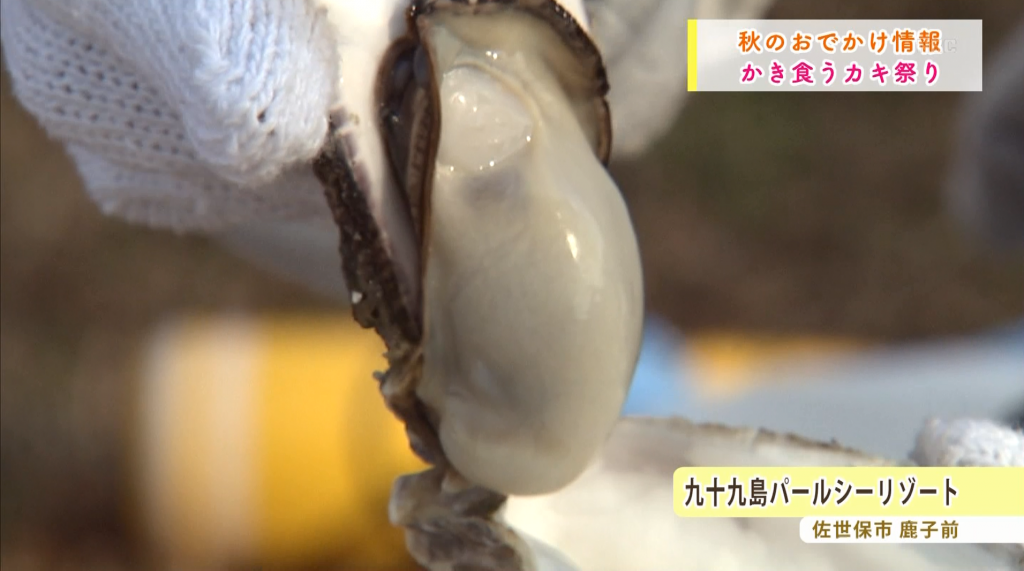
(188, 115)
(968, 442)
(204, 114)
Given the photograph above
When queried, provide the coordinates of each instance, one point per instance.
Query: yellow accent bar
(691, 55)
(885, 491)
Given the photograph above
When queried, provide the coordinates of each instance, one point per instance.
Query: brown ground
(802, 213)
(819, 213)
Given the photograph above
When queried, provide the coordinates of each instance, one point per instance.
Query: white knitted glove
(192, 114)
(968, 442)
(203, 114)
(972, 442)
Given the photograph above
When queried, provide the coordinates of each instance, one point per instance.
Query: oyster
(485, 241)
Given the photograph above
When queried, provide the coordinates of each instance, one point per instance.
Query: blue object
(1011, 334)
(659, 384)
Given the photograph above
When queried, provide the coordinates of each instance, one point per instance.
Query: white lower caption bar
(850, 529)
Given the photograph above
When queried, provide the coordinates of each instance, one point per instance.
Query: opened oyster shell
(492, 250)
(484, 240)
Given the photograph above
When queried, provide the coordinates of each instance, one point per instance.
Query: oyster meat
(532, 293)
(485, 241)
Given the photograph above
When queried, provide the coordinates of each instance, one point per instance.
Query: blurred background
(787, 216)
